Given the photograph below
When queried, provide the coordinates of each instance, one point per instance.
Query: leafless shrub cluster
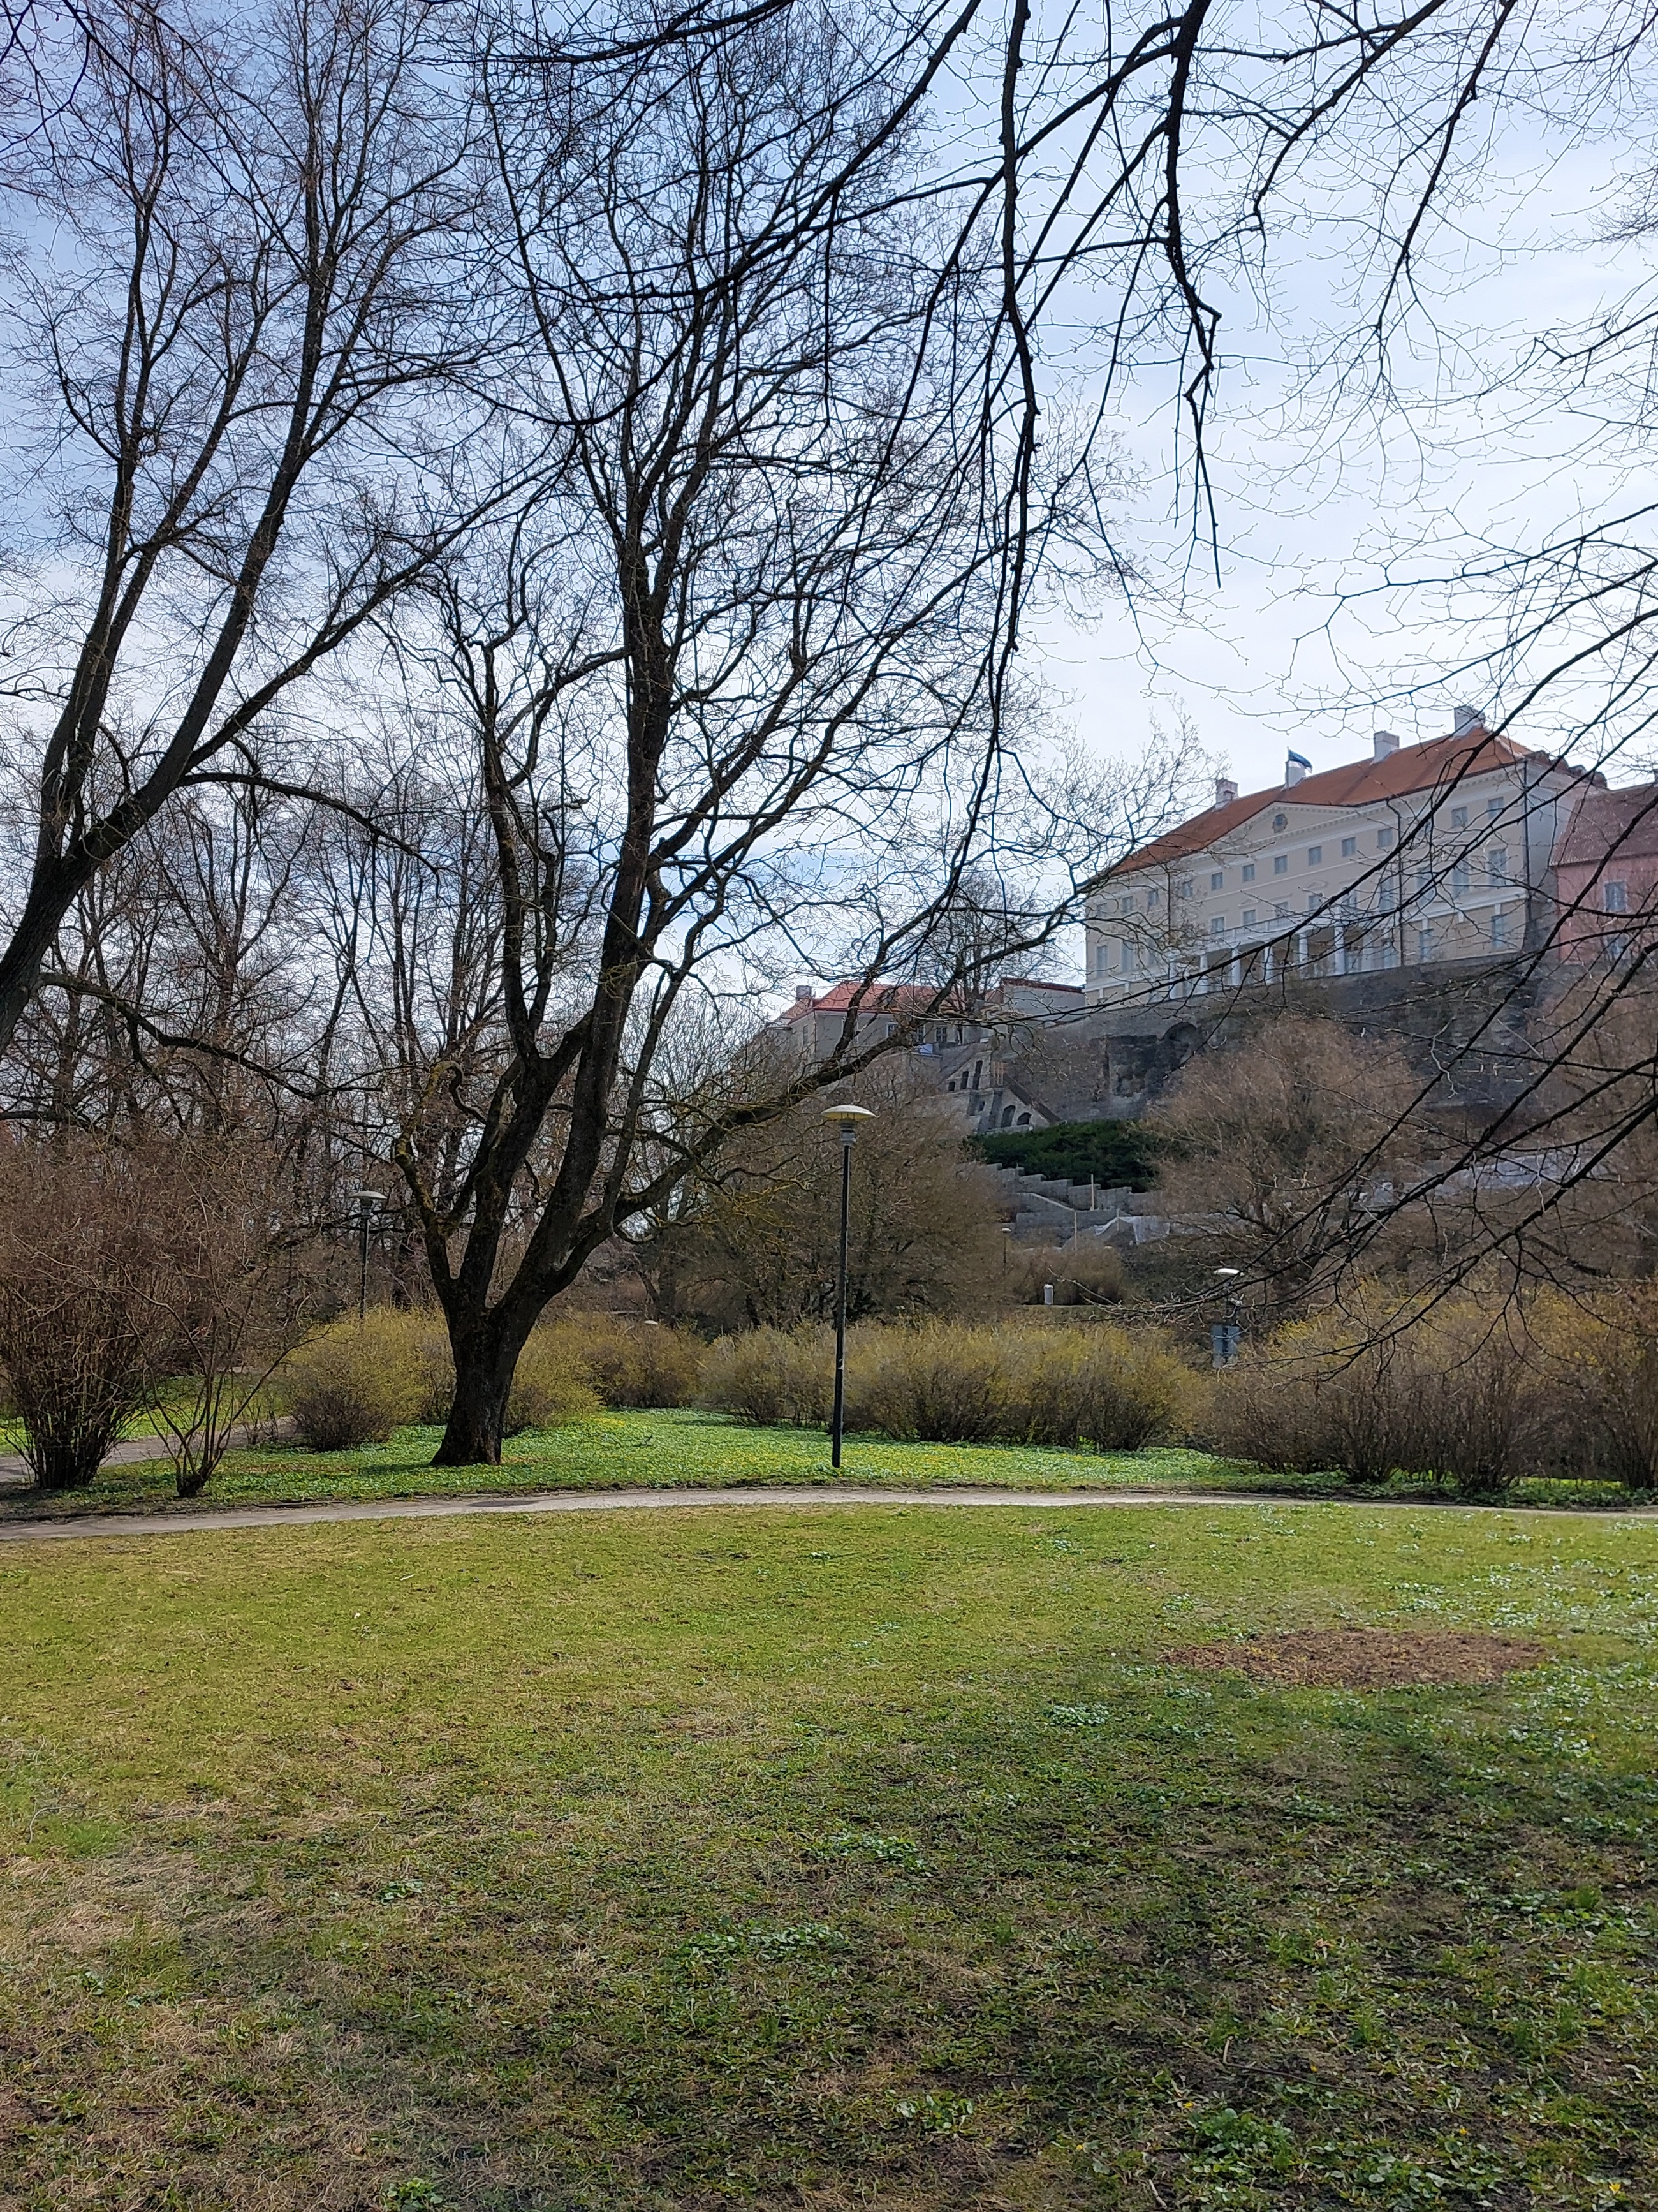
(1475, 1392)
(950, 1382)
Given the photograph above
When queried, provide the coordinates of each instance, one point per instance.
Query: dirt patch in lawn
(1364, 1658)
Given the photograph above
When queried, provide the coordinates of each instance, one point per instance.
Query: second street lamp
(368, 1204)
(846, 1118)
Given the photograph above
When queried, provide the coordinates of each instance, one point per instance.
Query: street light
(1224, 1334)
(366, 1203)
(845, 1120)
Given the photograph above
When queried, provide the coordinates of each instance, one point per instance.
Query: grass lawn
(825, 1859)
(654, 1450)
(689, 1449)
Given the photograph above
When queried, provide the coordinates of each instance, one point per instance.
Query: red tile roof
(1438, 764)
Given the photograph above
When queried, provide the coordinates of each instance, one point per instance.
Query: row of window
(1349, 847)
(1496, 929)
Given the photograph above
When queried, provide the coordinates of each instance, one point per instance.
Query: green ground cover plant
(826, 1858)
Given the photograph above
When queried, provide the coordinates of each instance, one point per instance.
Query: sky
(1300, 642)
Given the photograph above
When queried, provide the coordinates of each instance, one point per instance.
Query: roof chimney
(802, 993)
(1295, 767)
(1469, 719)
(1385, 742)
(1225, 791)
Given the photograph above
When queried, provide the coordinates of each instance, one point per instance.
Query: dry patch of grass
(1364, 1658)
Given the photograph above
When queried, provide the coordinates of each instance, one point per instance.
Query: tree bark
(477, 1412)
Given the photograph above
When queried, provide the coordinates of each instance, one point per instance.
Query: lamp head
(846, 1118)
(1229, 1270)
(369, 1198)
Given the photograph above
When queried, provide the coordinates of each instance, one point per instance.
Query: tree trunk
(477, 1413)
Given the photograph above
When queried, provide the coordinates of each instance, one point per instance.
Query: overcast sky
(1271, 657)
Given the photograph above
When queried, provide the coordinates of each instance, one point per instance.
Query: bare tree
(241, 325)
(733, 691)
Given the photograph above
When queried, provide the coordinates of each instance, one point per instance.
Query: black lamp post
(1225, 1335)
(846, 1118)
(368, 1201)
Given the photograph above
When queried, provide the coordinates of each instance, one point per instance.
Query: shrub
(631, 1362)
(355, 1381)
(1602, 1360)
(771, 1377)
(550, 1386)
(1096, 1386)
(1454, 1391)
(1084, 1273)
(80, 1253)
(943, 1384)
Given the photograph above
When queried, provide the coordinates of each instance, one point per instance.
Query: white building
(1420, 855)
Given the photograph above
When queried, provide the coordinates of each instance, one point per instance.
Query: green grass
(686, 1449)
(654, 1450)
(823, 1859)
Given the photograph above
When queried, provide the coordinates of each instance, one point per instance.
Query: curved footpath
(629, 1501)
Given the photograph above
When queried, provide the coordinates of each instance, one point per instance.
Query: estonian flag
(1301, 761)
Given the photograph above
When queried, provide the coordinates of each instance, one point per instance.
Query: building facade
(1424, 855)
(1606, 876)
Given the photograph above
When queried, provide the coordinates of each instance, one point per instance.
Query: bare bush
(355, 1381)
(1084, 1273)
(79, 1254)
(551, 1385)
(1094, 1385)
(771, 1377)
(1456, 1391)
(945, 1384)
(633, 1363)
(224, 1301)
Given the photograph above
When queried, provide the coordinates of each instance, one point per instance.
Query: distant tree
(758, 1241)
(1285, 1147)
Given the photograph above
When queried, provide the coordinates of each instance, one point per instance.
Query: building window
(1280, 864)
(1384, 839)
(1315, 902)
(1617, 948)
(1280, 912)
(1127, 905)
(1218, 925)
(1127, 961)
(1493, 808)
(1460, 876)
(1459, 817)
(1248, 917)
(1348, 848)
(1499, 928)
(1314, 855)
(1497, 865)
(1615, 898)
(1216, 879)
(1248, 871)
(1424, 881)
(978, 1070)
(1425, 946)
(1280, 822)
(1185, 888)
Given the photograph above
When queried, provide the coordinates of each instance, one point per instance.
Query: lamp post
(845, 1120)
(367, 1202)
(1224, 1334)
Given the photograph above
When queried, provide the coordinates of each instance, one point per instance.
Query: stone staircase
(1044, 1203)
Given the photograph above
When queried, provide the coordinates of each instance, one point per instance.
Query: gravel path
(582, 1501)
